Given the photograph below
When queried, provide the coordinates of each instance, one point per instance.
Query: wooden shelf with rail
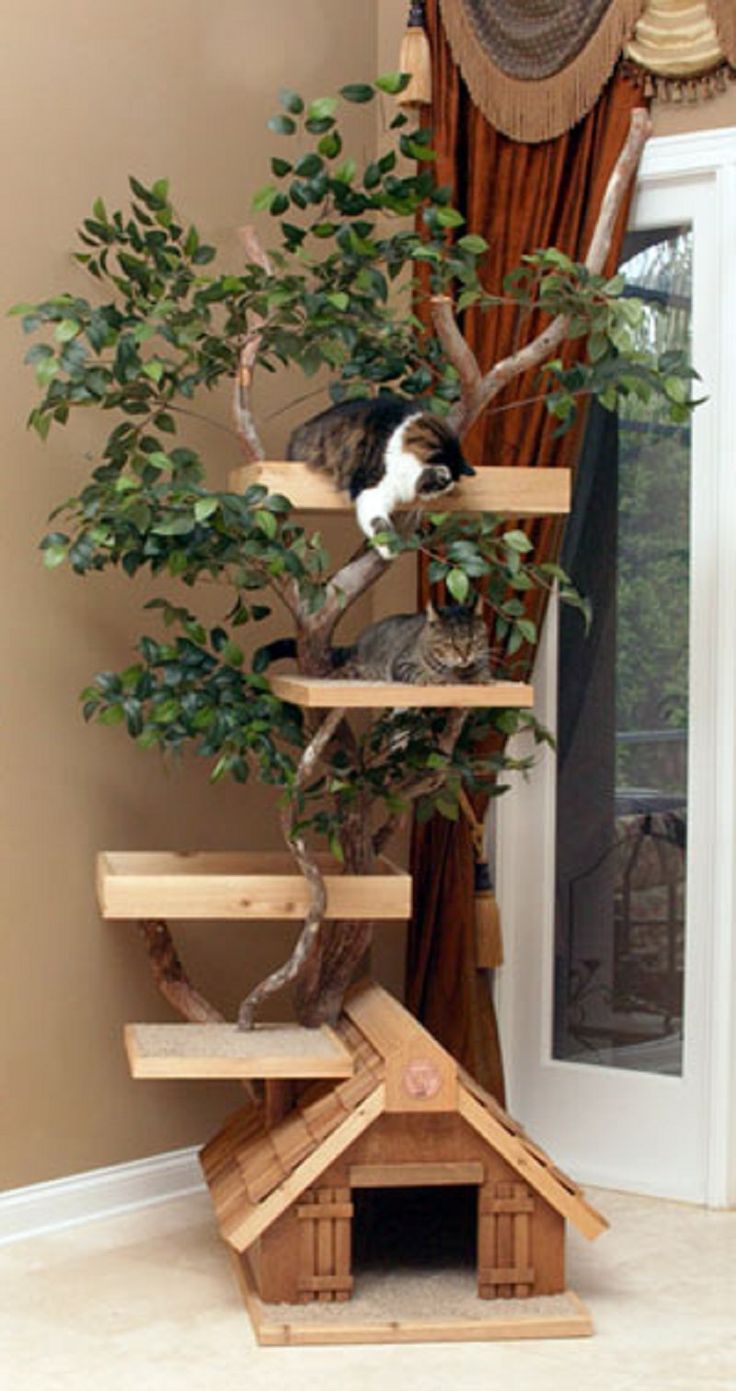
(509, 492)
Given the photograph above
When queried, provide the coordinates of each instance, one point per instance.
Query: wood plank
(343, 1241)
(416, 1175)
(504, 1249)
(512, 1149)
(506, 491)
(327, 1282)
(273, 1329)
(323, 693)
(332, 1209)
(240, 885)
(242, 1234)
(522, 1243)
(192, 1051)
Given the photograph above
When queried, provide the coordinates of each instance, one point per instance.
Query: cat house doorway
(419, 1230)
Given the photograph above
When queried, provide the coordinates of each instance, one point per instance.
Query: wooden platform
(511, 492)
(411, 1307)
(222, 1051)
(322, 693)
(240, 884)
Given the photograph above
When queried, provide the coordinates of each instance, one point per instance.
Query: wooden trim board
(322, 693)
(446, 1173)
(193, 1051)
(247, 884)
(511, 492)
(343, 1322)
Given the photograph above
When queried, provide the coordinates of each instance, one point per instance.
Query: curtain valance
(535, 67)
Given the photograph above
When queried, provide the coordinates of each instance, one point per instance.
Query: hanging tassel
(415, 57)
(488, 940)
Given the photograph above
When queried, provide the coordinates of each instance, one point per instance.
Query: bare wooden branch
(459, 353)
(533, 354)
(170, 976)
(307, 939)
(175, 985)
(245, 425)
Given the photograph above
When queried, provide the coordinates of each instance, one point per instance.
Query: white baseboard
(65, 1202)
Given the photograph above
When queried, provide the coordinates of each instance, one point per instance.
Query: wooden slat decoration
(436, 1174)
(332, 1210)
(325, 1249)
(506, 491)
(324, 693)
(343, 1242)
(501, 1275)
(338, 1284)
(504, 1248)
(522, 1204)
(227, 885)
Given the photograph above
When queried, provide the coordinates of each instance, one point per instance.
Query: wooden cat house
(409, 1117)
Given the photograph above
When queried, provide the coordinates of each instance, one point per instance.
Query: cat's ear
(431, 612)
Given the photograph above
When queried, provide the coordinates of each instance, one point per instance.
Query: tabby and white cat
(384, 452)
(442, 646)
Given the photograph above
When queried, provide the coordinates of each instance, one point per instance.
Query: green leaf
(308, 166)
(393, 82)
(231, 654)
(281, 167)
(281, 125)
(357, 91)
(114, 714)
(321, 109)
(516, 541)
(676, 389)
(291, 101)
(458, 584)
(527, 628)
(267, 523)
(67, 329)
(204, 507)
(155, 370)
(449, 217)
(330, 145)
(472, 242)
(346, 171)
(54, 555)
(338, 299)
(262, 200)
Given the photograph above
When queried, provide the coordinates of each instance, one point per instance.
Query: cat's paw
(434, 480)
(380, 527)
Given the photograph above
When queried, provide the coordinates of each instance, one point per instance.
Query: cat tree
(360, 1098)
(373, 1103)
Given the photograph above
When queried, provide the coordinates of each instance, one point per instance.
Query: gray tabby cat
(440, 646)
(384, 452)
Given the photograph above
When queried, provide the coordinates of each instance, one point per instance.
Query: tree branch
(245, 426)
(174, 983)
(308, 866)
(458, 351)
(473, 402)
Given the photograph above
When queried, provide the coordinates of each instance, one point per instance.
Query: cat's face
(438, 450)
(457, 635)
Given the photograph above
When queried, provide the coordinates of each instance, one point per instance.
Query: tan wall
(91, 93)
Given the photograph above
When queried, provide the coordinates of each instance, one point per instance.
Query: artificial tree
(369, 277)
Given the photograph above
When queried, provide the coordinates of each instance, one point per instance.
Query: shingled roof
(255, 1172)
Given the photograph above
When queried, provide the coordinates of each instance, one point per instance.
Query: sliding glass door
(615, 858)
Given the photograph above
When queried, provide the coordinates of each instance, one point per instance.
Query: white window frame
(526, 816)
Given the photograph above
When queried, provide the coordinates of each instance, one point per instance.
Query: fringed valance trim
(540, 109)
(724, 16)
(680, 90)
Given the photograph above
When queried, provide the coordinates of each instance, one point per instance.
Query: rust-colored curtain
(520, 197)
